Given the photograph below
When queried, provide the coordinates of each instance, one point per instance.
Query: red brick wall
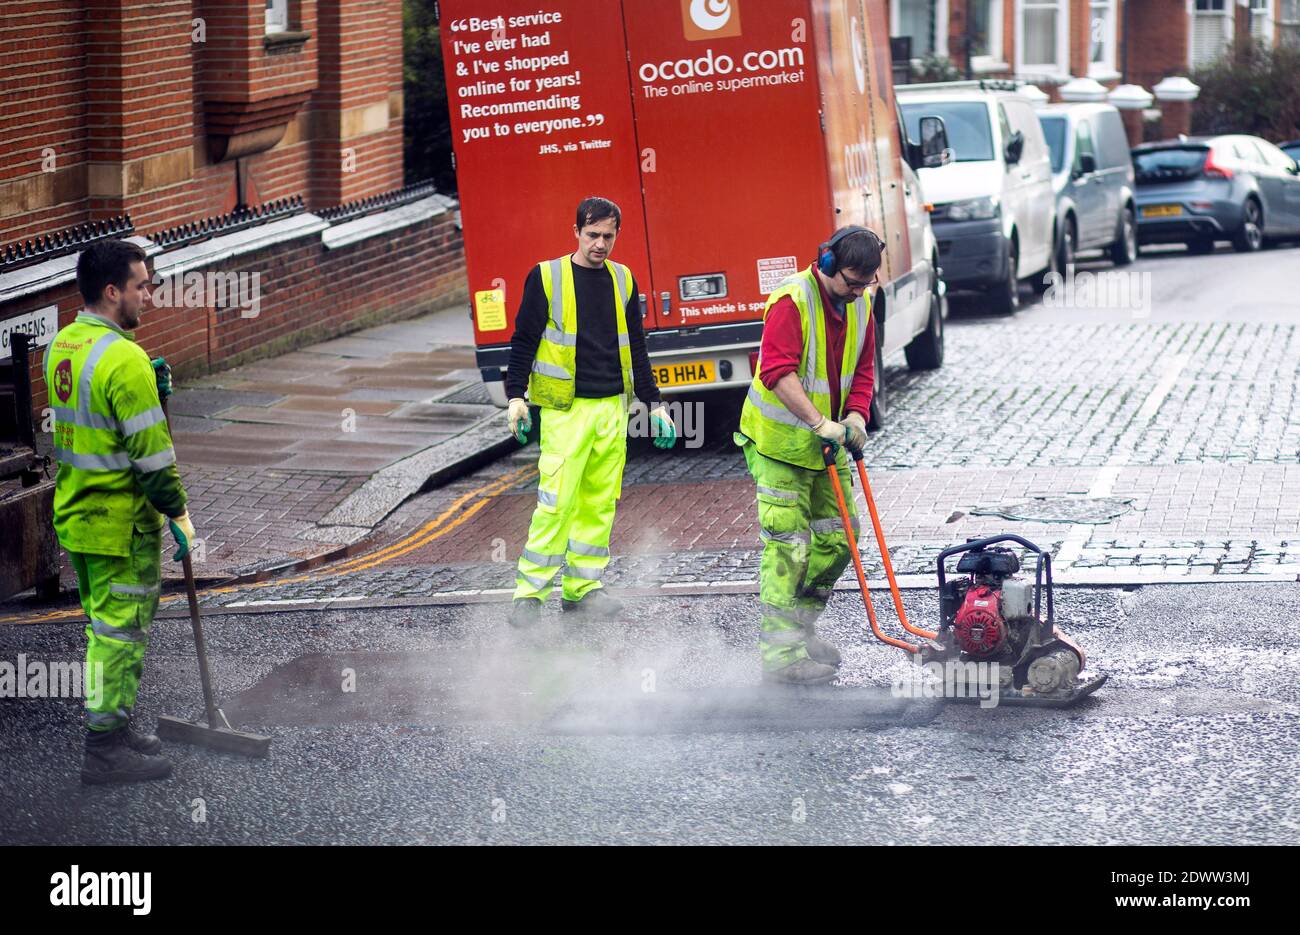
(1158, 44)
(308, 293)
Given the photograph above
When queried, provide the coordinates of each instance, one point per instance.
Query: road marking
(1078, 534)
(430, 531)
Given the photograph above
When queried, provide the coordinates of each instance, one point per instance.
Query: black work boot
(801, 672)
(525, 612)
(142, 741)
(110, 759)
(595, 605)
(818, 649)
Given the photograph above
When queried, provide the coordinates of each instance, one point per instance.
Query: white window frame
(1193, 13)
(1289, 21)
(1062, 67)
(1266, 7)
(995, 60)
(277, 16)
(940, 29)
(1105, 69)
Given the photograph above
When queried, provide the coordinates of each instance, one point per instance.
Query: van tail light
(1214, 171)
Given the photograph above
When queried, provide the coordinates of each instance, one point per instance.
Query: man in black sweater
(579, 353)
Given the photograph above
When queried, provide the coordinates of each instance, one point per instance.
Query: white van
(993, 202)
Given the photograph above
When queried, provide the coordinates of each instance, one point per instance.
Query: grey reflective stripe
(782, 637)
(816, 385)
(107, 718)
(142, 590)
(538, 582)
(88, 371)
(864, 316)
(776, 492)
(620, 285)
(143, 421)
(551, 370)
(556, 336)
(155, 462)
(557, 293)
(812, 303)
(771, 536)
(826, 526)
(776, 412)
(546, 497)
(623, 339)
(575, 571)
(88, 420)
(546, 560)
(100, 628)
(581, 548)
(118, 461)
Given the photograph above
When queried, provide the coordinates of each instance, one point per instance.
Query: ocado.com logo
(710, 19)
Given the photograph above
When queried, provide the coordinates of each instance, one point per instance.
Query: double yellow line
(446, 521)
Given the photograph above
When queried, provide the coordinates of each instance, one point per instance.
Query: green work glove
(662, 428)
(518, 420)
(183, 532)
(162, 372)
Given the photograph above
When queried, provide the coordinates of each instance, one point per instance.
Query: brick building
(1049, 41)
(230, 137)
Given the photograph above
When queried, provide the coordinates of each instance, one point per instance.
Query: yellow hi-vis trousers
(580, 478)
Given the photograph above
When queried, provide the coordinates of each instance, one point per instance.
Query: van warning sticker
(773, 271)
(490, 309)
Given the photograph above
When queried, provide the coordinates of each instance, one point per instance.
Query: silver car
(1199, 190)
(1092, 176)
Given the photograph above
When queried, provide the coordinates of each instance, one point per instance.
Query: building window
(1261, 21)
(985, 32)
(925, 21)
(277, 15)
(1211, 31)
(1101, 39)
(1041, 39)
(1289, 24)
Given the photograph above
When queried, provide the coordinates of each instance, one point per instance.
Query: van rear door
(730, 152)
(541, 117)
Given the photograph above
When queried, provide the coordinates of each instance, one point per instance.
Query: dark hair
(108, 261)
(860, 251)
(593, 210)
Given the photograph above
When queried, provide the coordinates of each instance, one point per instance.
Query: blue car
(1200, 190)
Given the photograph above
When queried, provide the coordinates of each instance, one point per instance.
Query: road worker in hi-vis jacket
(579, 352)
(813, 388)
(117, 485)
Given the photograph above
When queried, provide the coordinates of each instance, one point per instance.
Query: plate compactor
(986, 617)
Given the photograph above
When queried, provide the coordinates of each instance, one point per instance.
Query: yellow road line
(433, 529)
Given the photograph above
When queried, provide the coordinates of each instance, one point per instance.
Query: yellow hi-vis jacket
(552, 381)
(117, 467)
(775, 430)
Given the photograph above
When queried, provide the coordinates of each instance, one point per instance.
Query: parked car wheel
(926, 350)
(1125, 248)
(878, 404)
(1041, 282)
(1065, 250)
(1251, 235)
(1004, 298)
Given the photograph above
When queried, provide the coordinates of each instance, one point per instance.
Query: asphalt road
(460, 731)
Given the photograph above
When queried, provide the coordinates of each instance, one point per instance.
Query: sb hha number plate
(685, 373)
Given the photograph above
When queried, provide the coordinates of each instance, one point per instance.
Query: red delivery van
(734, 134)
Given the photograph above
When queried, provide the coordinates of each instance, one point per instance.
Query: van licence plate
(691, 371)
(1161, 211)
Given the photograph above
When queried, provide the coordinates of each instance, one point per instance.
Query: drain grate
(475, 392)
(1097, 510)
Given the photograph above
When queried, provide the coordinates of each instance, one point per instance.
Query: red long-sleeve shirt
(783, 345)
